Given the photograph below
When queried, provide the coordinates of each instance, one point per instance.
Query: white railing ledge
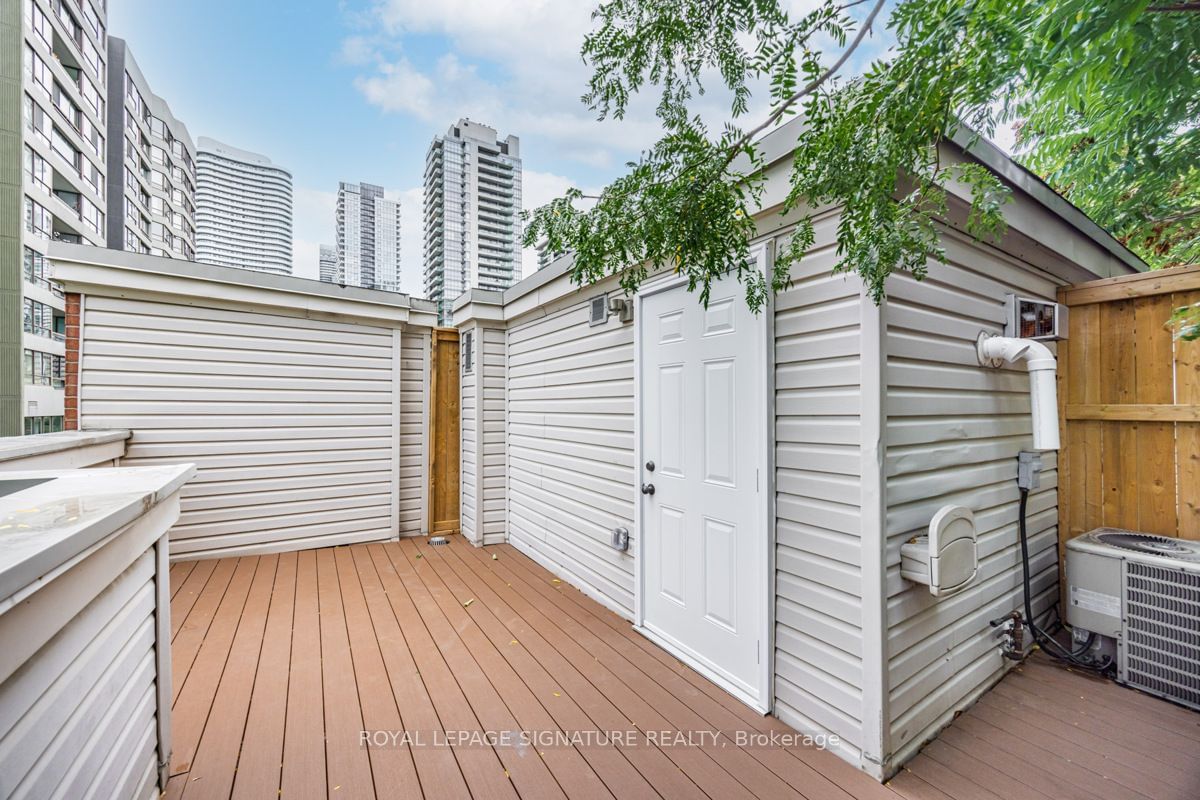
(65, 450)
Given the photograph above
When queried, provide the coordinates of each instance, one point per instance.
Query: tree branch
(1194, 212)
(811, 87)
(1173, 8)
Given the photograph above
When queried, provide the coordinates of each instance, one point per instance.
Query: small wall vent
(598, 310)
(1030, 318)
(467, 355)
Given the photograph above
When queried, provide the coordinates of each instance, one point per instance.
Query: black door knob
(647, 488)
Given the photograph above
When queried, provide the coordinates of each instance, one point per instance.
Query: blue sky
(355, 90)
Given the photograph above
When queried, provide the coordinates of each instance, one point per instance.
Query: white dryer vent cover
(946, 559)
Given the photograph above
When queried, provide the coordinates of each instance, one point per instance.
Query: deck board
(281, 661)
(550, 648)
(435, 766)
(213, 768)
(261, 755)
(190, 713)
(629, 689)
(348, 765)
(530, 773)
(575, 776)
(303, 763)
(801, 767)
(483, 770)
(392, 767)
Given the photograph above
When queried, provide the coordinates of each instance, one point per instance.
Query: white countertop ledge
(12, 447)
(45, 526)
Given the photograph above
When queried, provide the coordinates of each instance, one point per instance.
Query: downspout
(1043, 393)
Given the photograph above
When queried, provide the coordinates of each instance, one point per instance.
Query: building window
(468, 355)
(35, 425)
(37, 169)
(44, 369)
(37, 219)
(39, 320)
(37, 273)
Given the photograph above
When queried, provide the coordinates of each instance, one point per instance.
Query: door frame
(764, 378)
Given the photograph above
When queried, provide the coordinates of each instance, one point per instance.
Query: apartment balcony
(224, 585)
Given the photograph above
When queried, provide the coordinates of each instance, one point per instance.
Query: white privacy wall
(468, 432)
(492, 476)
(953, 431)
(482, 451)
(570, 445)
(306, 432)
(412, 495)
(818, 552)
(82, 712)
(78, 695)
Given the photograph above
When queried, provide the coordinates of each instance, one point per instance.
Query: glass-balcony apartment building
(472, 213)
(53, 112)
(151, 166)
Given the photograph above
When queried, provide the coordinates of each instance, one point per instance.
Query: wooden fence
(1130, 401)
(444, 424)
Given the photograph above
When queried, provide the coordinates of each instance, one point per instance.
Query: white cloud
(397, 86)
(357, 50)
(515, 65)
(530, 85)
(521, 32)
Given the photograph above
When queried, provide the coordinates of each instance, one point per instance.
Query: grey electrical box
(1029, 470)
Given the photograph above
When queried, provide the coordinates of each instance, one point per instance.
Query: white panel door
(703, 546)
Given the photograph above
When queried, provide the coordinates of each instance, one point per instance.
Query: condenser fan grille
(1163, 631)
(1153, 545)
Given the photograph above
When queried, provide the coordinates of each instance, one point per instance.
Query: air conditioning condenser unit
(1140, 595)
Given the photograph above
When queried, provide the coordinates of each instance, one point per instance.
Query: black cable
(1048, 642)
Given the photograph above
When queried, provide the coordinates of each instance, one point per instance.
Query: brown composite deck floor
(281, 661)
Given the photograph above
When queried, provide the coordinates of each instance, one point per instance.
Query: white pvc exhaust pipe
(1043, 392)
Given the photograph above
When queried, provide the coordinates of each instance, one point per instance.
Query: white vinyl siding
(570, 449)
(78, 717)
(818, 555)
(414, 440)
(953, 433)
(290, 420)
(492, 479)
(468, 437)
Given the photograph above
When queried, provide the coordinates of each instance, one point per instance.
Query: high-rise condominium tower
(53, 125)
(472, 213)
(327, 264)
(368, 237)
(243, 209)
(151, 166)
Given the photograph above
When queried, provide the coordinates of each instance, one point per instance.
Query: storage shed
(767, 469)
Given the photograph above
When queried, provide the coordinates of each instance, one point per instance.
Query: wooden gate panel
(1130, 400)
(444, 421)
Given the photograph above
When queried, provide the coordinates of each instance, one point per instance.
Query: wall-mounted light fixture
(621, 308)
